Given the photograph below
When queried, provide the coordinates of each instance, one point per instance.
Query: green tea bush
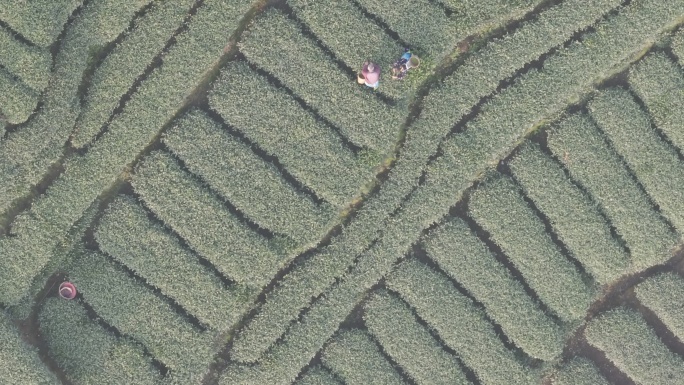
(634, 348)
(664, 295)
(39, 21)
(30, 64)
(204, 222)
(467, 260)
(354, 38)
(307, 70)
(87, 352)
(660, 84)
(599, 169)
(432, 202)
(124, 64)
(410, 344)
(678, 46)
(157, 101)
(252, 185)
(356, 359)
(17, 100)
(458, 323)
(654, 162)
(272, 119)
(27, 154)
(420, 23)
(574, 217)
(20, 361)
(499, 207)
(579, 371)
(151, 252)
(317, 376)
(140, 314)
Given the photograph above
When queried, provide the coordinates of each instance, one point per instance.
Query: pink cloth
(371, 77)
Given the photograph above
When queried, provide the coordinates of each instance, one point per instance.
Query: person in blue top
(400, 67)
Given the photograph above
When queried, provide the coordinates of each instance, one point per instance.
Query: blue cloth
(374, 85)
(406, 56)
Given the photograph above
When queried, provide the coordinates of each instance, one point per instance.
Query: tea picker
(407, 61)
(370, 75)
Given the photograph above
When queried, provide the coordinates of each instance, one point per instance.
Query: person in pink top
(371, 73)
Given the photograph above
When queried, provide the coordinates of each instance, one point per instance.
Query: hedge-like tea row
(39, 21)
(156, 102)
(409, 344)
(249, 183)
(458, 323)
(579, 371)
(599, 169)
(276, 122)
(87, 352)
(357, 360)
(654, 162)
(574, 217)
(131, 238)
(26, 155)
(352, 37)
(306, 69)
(467, 260)
(678, 46)
(126, 62)
(17, 100)
(499, 207)
(20, 361)
(659, 82)
(317, 376)
(195, 214)
(616, 39)
(420, 23)
(634, 347)
(30, 64)
(140, 314)
(443, 107)
(664, 295)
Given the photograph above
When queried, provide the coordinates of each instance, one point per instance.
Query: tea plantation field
(233, 208)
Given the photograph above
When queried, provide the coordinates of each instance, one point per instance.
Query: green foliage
(204, 222)
(27, 154)
(30, 64)
(654, 162)
(20, 361)
(574, 217)
(599, 169)
(17, 100)
(410, 344)
(431, 202)
(660, 84)
(126, 62)
(306, 69)
(277, 123)
(678, 46)
(87, 352)
(499, 207)
(634, 348)
(352, 37)
(317, 376)
(157, 101)
(355, 358)
(140, 314)
(151, 252)
(467, 260)
(664, 295)
(579, 371)
(40, 21)
(252, 185)
(458, 323)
